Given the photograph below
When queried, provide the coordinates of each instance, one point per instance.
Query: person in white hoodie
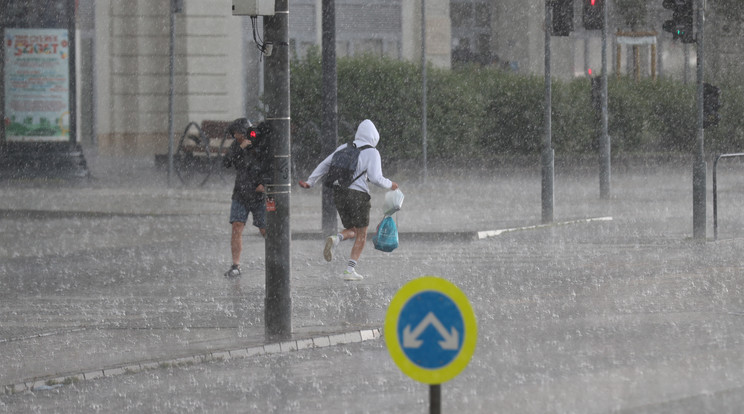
(353, 203)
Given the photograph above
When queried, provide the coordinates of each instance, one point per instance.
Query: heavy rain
(596, 288)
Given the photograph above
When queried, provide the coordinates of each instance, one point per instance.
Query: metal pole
(699, 167)
(278, 309)
(715, 198)
(686, 66)
(88, 70)
(605, 147)
(329, 122)
(715, 190)
(586, 55)
(423, 86)
(72, 33)
(435, 398)
(547, 149)
(171, 86)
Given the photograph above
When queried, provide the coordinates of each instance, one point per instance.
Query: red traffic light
(593, 14)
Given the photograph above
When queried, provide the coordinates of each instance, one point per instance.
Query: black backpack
(343, 166)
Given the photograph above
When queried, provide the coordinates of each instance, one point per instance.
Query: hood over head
(366, 134)
(240, 125)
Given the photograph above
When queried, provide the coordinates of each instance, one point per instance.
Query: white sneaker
(352, 276)
(330, 247)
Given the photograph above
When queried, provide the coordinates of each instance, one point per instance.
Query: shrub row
(486, 112)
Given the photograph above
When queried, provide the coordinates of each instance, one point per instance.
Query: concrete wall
(438, 32)
(723, 45)
(132, 68)
(218, 70)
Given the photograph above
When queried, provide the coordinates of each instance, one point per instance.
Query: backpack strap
(362, 148)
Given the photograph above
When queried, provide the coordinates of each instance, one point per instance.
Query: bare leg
(348, 234)
(236, 241)
(361, 239)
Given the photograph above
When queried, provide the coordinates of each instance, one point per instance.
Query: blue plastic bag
(386, 238)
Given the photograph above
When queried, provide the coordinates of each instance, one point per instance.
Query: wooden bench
(216, 133)
(212, 133)
(200, 151)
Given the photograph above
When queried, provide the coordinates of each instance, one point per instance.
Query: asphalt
(122, 272)
(68, 316)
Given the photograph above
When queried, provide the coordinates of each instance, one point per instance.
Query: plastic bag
(386, 239)
(393, 202)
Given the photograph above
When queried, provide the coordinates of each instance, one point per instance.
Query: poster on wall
(37, 85)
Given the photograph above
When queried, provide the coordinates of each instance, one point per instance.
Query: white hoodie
(369, 160)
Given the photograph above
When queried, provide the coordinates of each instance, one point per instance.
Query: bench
(211, 137)
(200, 151)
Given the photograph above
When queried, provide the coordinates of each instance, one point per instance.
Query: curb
(405, 236)
(459, 235)
(494, 233)
(61, 379)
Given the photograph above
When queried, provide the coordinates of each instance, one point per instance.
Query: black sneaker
(233, 272)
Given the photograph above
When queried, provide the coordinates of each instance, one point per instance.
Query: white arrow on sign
(451, 339)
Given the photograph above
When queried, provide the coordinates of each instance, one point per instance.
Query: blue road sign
(430, 330)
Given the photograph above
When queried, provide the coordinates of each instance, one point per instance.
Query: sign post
(431, 332)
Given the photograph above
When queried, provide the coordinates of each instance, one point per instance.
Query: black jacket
(252, 169)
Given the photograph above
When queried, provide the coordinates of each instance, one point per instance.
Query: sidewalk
(123, 274)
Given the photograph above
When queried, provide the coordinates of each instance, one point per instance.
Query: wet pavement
(114, 288)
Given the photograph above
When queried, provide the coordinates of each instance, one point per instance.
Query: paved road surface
(120, 279)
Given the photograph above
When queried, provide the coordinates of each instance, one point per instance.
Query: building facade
(218, 69)
(123, 56)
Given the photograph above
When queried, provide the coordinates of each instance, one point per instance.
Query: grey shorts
(239, 212)
(353, 206)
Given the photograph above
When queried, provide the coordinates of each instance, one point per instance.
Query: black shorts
(353, 206)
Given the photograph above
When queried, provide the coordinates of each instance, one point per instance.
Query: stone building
(219, 71)
(123, 54)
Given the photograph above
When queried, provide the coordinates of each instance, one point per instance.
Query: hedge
(486, 112)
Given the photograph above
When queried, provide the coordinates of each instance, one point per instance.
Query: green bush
(484, 112)
(385, 91)
(456, 113)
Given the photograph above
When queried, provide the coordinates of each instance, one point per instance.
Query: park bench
(200, 151)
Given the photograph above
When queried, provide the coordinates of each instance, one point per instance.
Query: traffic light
(711, 105)
(681, 24)
(563, 14)
(593, 14)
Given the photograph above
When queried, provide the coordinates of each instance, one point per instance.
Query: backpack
(343, 166)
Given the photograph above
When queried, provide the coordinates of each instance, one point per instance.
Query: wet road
(621, 315)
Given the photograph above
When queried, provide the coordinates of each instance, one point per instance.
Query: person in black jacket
(252, 174)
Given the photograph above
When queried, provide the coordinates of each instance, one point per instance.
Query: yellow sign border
(470, 336)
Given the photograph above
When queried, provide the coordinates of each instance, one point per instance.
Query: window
(471, 31)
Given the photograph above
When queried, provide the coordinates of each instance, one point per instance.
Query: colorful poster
(37, 85)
